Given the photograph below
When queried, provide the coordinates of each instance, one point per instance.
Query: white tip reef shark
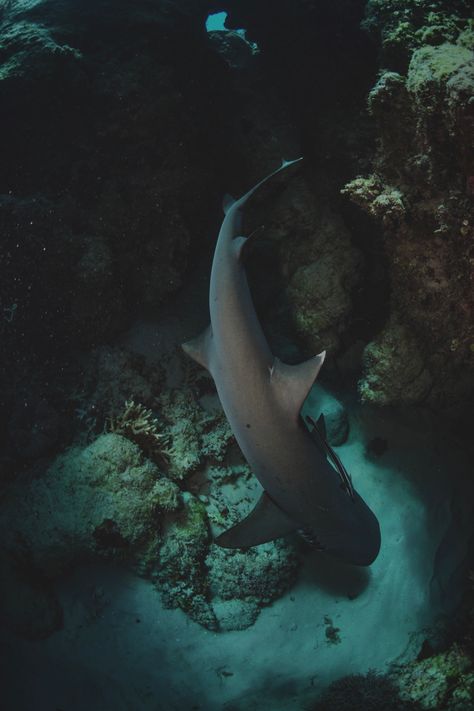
(306, 488)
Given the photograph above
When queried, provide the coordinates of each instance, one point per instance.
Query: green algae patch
(181, 575)
(443, 681)
(436, 64)
(99, 500)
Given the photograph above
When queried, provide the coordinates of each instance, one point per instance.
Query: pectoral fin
(265, 523)
(292, 383)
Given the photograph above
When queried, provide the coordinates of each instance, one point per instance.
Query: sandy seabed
(120, 650)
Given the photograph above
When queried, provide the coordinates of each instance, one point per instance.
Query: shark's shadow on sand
(333, 576)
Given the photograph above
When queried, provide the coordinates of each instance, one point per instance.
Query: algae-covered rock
(434, 65)
(235, 614)
(320, 294)
(403, 25)
(394, 368)
(102, 500)
(443, 681)
(193, 434)
(261, 573)
(320, 288)
(383, 201)
(181, 576)
(419, 195)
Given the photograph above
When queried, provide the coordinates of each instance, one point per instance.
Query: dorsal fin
(199, 348)
(292, 383)
(227, 202)
(264, 523)
(238, 244)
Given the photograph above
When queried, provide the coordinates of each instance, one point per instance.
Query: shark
(306, 488)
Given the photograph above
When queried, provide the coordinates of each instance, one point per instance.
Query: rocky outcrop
(420, 197)
(109, 501)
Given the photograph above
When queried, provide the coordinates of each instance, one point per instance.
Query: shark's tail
(229, 202)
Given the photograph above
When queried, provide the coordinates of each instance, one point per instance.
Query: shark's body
(262, 398)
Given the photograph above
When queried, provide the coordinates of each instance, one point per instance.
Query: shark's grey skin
(262, 398)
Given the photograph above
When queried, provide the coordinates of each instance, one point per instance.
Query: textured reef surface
(123, 125)
(420, 195)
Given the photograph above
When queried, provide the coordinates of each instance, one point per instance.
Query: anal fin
(264, 523)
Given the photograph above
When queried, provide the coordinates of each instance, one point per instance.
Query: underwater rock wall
(420, 197)
(108, 164)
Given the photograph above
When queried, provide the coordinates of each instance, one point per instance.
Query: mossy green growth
(385, 381)
(260, 574)
(181, 576)
(321, 296)
(405, 25)
(99, 500)
(444, 681)
(193, 434)
(166, 495)
(435, 65)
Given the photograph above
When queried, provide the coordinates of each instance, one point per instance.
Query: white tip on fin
(284, 162)
(199, 348)
(292, 383)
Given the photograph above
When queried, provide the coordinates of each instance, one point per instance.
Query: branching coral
(138, 424)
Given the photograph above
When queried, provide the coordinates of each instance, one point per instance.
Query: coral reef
(401, 26)
(181, 575)
(260, 574)
(193, 434)
(101, 500)
(395, 371)
(310, 295)
(443, 681)
(109, 500)
(138, 424)
(420, 198)
(320, 296)
(241, 582)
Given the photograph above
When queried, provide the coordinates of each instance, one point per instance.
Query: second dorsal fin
(227, 202)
